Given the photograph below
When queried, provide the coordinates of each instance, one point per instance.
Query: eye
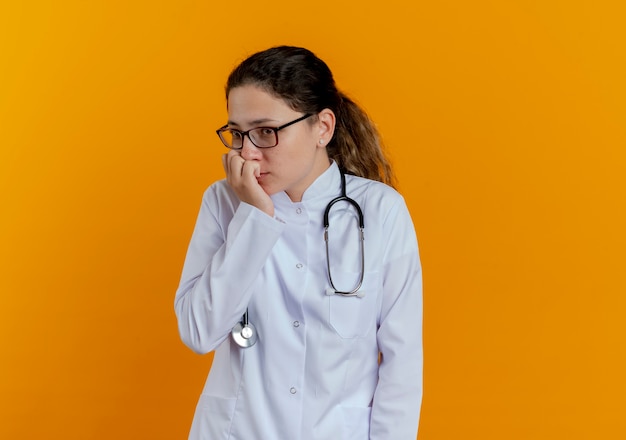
(235, 134)
(263, 134)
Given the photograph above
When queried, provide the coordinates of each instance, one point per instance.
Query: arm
(226, 253)
(398, 396)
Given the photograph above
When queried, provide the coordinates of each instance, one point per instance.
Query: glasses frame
(243, 134)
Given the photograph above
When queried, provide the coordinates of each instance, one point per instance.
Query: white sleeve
(223, 260)
(398, 396)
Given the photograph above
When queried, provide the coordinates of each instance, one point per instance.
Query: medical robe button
(299, 265)
(296, 324)
(299, 211)
(292, 390)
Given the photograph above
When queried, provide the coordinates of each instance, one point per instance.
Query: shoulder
(219, 198)
(219, 190)
(380, 203)
(372, 192)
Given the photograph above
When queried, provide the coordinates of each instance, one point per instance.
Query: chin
(270, 190)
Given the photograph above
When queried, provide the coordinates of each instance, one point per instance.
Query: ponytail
(356, 146)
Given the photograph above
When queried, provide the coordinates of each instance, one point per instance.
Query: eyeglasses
(261, 137)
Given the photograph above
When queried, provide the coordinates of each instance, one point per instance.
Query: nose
(249, 151)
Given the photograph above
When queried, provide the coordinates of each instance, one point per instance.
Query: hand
(242, 176)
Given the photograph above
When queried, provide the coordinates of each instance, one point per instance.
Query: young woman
(317, 330)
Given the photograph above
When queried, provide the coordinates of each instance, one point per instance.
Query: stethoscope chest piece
(244, 334)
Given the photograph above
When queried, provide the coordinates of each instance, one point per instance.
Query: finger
(251, 169)
(234, 164)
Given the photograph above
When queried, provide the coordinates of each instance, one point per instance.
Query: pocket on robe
(356, 422)
(353, 316)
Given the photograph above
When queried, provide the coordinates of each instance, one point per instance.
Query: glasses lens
(230, 138)
(263, 137)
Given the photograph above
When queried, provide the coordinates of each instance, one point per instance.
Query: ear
(327, 120)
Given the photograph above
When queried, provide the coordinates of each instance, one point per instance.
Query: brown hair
(306, 84)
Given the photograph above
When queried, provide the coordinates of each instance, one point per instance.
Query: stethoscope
(244, 333)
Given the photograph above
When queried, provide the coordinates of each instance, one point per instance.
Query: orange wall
(506, 121)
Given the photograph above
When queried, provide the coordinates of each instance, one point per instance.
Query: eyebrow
(255, 122)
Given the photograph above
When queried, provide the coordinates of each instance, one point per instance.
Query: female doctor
(317, 330)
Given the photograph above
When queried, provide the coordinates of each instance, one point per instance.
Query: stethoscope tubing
(344, 198)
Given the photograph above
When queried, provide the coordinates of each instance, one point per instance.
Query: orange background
(506, 123)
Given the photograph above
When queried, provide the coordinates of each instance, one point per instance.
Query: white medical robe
(314, 372)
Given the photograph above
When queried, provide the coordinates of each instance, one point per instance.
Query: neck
(318, 169)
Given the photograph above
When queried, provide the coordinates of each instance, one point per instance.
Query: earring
(321, 141)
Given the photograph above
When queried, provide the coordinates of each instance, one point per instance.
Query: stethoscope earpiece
(330, 292)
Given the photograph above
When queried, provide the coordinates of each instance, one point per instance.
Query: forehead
(249, 103)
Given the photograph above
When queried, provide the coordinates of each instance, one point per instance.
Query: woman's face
(299, 158)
